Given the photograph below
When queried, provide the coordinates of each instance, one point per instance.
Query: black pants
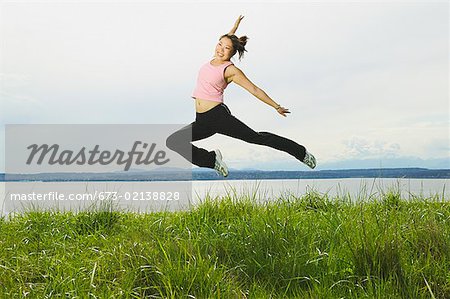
(219, 120)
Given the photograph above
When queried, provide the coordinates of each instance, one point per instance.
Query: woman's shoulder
(231, 72)
(232, 68)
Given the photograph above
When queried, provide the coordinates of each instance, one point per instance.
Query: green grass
(233, 247)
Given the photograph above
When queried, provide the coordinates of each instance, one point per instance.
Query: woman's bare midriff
(204, 105)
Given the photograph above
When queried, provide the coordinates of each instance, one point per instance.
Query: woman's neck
(216, 61)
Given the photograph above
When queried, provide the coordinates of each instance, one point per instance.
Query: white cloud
(361, 148)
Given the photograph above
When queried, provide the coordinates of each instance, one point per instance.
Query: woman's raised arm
(236, 25)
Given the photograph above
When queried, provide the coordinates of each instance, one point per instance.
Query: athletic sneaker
(220, 166)
(309, 160)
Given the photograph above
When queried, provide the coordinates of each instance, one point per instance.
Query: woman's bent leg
(180, 142)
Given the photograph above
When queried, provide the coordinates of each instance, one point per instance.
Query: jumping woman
(213, 116)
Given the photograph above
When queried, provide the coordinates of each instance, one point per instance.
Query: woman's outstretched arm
(235, 75)
(236, 25)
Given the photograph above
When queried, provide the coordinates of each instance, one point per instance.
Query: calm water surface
(355, 188)
(258, 190)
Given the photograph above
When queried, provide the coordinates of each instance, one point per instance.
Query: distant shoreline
(206, 174)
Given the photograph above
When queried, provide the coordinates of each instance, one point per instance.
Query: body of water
(355, 188)
(258, 190)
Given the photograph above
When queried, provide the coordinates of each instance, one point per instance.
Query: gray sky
(364, 80)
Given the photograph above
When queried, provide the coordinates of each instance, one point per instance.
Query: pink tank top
(211, 82)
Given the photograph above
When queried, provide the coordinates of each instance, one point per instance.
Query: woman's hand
(282, 110)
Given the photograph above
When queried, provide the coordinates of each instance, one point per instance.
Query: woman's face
(224, 49)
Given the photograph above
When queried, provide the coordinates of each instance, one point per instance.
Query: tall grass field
(311, 246)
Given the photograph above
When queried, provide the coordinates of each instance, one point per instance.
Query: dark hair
(238, 44)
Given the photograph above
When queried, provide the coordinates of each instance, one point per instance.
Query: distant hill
(207, 174)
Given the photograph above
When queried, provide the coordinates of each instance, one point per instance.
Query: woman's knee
(177, 140)
(171, 141)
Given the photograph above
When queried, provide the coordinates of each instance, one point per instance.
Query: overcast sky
(363, 80)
